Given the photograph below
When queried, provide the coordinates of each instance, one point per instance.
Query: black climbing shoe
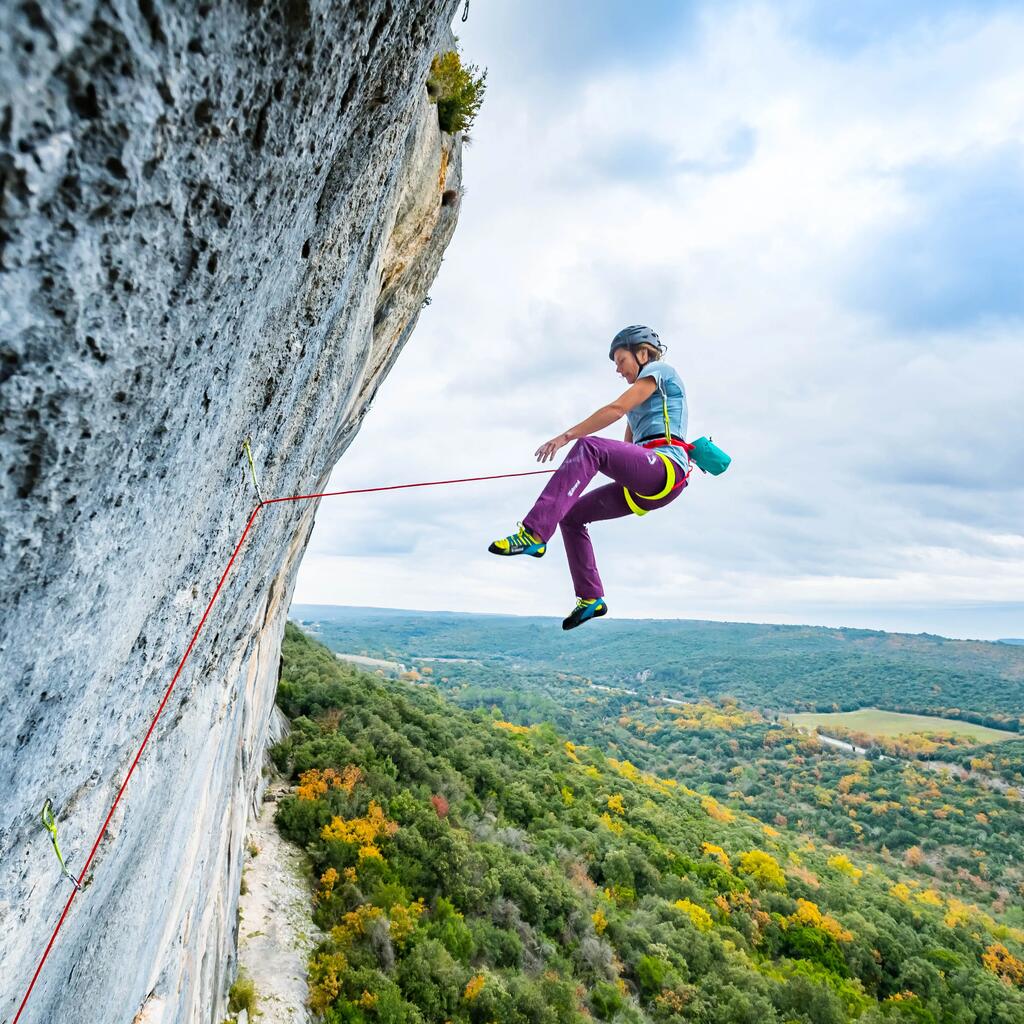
(585, 611)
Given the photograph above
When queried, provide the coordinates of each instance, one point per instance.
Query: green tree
(457, 89)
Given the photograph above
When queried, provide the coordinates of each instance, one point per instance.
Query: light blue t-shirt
(647, 420)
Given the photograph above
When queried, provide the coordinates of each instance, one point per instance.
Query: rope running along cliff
(188, 650)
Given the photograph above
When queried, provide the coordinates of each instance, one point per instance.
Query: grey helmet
(630, 337)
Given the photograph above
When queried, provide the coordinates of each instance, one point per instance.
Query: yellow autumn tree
(697, 914)
(315, 783)
(518, 730)
(711, 850)
(364, 832)
(354, 924)
(841, 863)
(1000, 961)
(351, 776)
(901, 892)
(474, 987)
(311, 786)
(610, 824)
(402, 920)
(713, 809)
(763, 868)
(809, 913)
(626, 769)
(327, 880)
(847, 782)
(913, 856)
(957, 913)
(325, 971)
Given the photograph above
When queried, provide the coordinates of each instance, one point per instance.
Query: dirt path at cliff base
(276, 932)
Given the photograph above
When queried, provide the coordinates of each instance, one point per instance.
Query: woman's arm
(604, 417)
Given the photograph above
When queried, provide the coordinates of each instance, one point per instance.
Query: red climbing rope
(402, 487)
(188, 651)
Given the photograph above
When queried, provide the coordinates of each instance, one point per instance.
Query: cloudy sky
(820, 208)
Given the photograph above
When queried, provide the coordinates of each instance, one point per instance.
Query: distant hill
(1010, 640)
(809, 668)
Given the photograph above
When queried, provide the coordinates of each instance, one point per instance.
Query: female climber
(649, 468)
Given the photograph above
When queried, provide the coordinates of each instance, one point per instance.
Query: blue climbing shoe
(585, 611)
(522, 542)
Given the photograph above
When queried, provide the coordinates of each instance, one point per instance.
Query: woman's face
(626, 365)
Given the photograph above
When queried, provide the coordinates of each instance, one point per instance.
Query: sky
(820, 209)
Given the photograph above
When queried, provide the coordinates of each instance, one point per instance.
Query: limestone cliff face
(217, 221)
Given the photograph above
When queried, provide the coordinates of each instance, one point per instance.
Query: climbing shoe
(522, 542)
(584, 611)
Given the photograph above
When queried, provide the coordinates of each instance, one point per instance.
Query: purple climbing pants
(563, 503)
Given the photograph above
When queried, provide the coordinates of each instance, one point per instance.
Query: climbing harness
(50, 824)
(670, 466)
(670, 483)
(252, 470)
(703, 454)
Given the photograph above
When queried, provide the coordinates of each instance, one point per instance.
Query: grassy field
(892, 723)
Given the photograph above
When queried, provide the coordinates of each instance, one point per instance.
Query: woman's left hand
(546, 452)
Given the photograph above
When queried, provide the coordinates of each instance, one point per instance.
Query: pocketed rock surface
(217, 221)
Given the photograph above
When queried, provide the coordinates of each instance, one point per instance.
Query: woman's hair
(652, 353)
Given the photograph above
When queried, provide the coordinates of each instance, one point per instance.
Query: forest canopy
(470, 868)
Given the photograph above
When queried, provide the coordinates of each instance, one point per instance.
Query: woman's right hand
(546, 452)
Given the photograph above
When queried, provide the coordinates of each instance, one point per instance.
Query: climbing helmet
(630, 337)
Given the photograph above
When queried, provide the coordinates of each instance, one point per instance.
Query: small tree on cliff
(458, 91)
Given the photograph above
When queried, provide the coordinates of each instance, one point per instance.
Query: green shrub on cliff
(457, 90)
(242, 996)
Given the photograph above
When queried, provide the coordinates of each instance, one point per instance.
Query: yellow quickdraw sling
(50, 824)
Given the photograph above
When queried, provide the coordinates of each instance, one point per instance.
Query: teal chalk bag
(708, 457)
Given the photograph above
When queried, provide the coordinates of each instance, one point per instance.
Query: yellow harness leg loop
(670, 482)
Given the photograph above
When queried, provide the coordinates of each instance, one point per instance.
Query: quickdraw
(252, 470)
(50, 824)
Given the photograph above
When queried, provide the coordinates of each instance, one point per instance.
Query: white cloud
(859, 485)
